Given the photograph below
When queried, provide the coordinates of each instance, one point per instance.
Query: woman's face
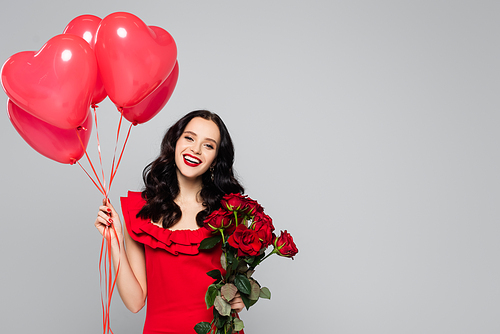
(196, 149)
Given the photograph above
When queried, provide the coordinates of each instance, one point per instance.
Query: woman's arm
(131, 280)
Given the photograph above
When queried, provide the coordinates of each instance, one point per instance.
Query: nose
(196, 149)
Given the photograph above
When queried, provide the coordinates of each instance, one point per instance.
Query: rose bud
(284, 245)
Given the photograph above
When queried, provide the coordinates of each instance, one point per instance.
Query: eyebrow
(194, 134)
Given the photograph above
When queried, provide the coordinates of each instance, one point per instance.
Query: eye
(209, 146)
(188, 138)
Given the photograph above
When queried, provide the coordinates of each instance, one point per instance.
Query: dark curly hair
(160, 176)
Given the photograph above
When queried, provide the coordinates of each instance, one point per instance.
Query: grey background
(368, 129)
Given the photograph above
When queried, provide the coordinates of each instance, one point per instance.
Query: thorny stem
(235, 218)
(268, 255)
(223, 240)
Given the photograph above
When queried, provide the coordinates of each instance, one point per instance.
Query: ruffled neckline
(144, 231)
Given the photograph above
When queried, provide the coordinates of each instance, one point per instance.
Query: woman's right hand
(107, 217)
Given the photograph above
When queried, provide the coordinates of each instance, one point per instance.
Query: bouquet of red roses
(245, 232)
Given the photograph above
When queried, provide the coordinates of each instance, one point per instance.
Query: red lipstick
(191, 160)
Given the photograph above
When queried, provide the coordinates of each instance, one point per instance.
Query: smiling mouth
(191, 161)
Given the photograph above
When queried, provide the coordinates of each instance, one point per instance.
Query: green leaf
(238, 325)
(223, 322)
(252, 302)
(242, 267)
(246, 301)
(243, 284)
(235, 264)
(209, 243)
(212, 292)
(229, 274)
(230, 255)
(265, 293)
(215, 274)
(228, 291)
(222, 306)
(228, 327)
(202, 327)
(223, 261)
(255, 293)
(257, 260)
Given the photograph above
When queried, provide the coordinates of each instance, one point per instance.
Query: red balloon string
(107, 283)
(106, 275)
(91, 179)
(104, 316)
(101, 188)
(113, 172)
(105, 309)
(120, 109)
(94, 107)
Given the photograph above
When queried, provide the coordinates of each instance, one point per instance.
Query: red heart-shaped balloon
(133, 59)
(61, 145)
(86, 27)
(154, 102)
(54, 84)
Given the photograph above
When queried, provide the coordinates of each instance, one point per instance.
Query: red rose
(233, 201)
(263, 225)
(284, 245)
(240, 203)
(253, 207)
(246, 241)
(219, 219)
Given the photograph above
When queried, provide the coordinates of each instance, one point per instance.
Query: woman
(162, 262)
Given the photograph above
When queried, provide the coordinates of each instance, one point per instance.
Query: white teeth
(192, 160)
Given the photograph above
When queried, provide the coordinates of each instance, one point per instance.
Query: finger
(106, 218)
(109, 210)
(110, 206)
(237, 303)
(103, 215)
(100, 221)
(105, 210)
(237, 309)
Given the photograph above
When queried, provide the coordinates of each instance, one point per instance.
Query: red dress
(176, 272)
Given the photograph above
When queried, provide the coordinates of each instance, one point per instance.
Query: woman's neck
(189, 189)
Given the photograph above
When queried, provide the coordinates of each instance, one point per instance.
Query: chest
(181, 267)
(188, 218)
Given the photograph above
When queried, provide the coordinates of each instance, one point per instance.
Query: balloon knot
(94, 106)
(72, 161)
(80, 128)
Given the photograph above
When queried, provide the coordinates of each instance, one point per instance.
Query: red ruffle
(145, 232)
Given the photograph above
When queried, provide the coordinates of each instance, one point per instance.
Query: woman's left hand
(237, 303)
